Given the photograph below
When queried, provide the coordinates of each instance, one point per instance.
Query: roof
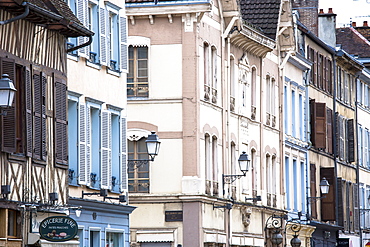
(54, 14)
(353, 42)
(263, 14)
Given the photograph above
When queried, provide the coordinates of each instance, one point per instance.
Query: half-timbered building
(34, 155)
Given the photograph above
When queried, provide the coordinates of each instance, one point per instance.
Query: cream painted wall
(166, 72)
(96, 82)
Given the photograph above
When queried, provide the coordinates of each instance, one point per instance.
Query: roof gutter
(16, 18)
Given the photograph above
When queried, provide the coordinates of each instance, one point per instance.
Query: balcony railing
(268, 118)
(137, 89)
(207, 92)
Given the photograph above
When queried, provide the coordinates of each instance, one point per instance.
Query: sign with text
(58, 228)
(173, 216)
(343, 242)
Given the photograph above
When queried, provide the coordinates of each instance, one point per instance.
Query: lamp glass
(152, 144)
(295, 242)
(324, 186)
(244, 162)
(277, 238)
(7, 91)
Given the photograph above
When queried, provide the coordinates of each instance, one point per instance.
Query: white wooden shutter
(106, 166)
(123, 42)
(88, 146)
(82, 175)
(123, 150)
(103, 36)
(82, 16)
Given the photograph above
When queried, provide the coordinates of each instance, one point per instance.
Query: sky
(348, 10)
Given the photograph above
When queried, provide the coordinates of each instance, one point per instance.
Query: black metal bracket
(103, 192)
(257, 198)
(135, 164)
(121, 198)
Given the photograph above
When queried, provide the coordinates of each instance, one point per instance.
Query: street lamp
(324, 188)
(7, 92)
(244, 163)
(152, 145)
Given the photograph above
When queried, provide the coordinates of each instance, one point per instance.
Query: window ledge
(93, 65)
(113, 72)
(73, 57)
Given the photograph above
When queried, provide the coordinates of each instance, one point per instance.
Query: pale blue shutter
(123, 140)
(82, 16)
(106, 167)
(82, 175)
(123, 42)
(88, 145)
(103, 36)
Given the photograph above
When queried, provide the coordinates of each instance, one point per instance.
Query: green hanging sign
(58, 228)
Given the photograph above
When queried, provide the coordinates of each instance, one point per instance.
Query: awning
(155, 236)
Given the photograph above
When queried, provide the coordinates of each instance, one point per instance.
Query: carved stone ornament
(246, 216)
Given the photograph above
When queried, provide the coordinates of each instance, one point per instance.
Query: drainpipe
(82, 45)
(335, 138)
(25, 13)
(307, 120)
(358, 166)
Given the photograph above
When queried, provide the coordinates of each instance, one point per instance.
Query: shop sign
(58, 228)
(343, 242)
(173, 216)
(368, 244)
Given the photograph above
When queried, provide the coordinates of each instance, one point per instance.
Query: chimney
(353, 24)
(327, 23)
(365, 24)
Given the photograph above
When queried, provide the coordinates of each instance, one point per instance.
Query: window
(294, 124)
(114, 239)
(113, 41)
(97, 145)
(93, 25)
(72, 42)
(232, 84)
(94, 238)
(109, 44)
(286, 115)
(254, 94)
(137, 78)
(210, 72)
(214, 73)
(138, 177)
(208, 168)
(72, 139)
(287, 184)
(215, 165)
(14, 223)
(25, 123)
(318, 124)
(295, 185)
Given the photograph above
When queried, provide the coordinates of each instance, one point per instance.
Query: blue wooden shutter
(103, 36)
(106, 166)
(82, 177)
(123, 42)
(88, 145)
(82, 16)
(123, 151)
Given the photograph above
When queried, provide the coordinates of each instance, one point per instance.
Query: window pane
(142, 52)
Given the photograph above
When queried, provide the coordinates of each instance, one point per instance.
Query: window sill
(113, 72)
(73, 57)
(93, 65)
